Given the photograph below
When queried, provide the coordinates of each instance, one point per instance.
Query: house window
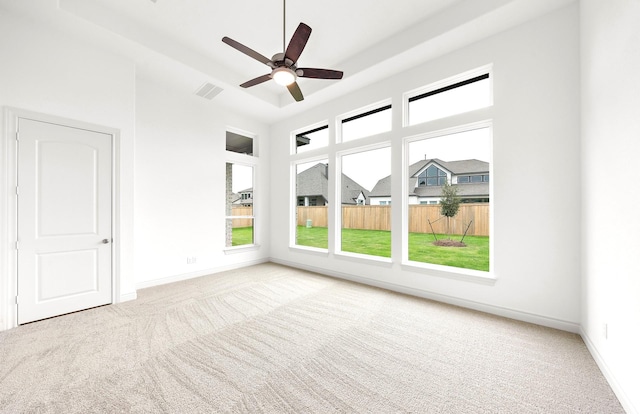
(311, 139)
(311, 218)
(365, 224)
(452, 96)
(430, 232)
(363, 124)
(239, 143)
(432, 176)
(239, 205)
(466, 179)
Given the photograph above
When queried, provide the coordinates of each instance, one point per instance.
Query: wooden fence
(379, 218)
(317, 215)
(241, 211)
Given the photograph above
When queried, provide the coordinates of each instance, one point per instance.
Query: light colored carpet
(270, 339)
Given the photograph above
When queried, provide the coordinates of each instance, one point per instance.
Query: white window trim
(443, 83)
(252, 161)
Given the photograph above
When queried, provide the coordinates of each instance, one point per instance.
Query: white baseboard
(464, 303)
(627, 404)
(199, 273)
(125, 297)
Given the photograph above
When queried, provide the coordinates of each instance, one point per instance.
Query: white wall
(180, 186)
(536, 166)
(610, 36)
(179, 161)
(55, 74)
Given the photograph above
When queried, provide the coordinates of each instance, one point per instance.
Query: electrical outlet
(191, 260)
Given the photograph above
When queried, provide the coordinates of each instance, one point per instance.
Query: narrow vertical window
(365, 188)
(312, 200)
(239, 205)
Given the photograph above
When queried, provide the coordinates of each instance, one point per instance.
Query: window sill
(241, 249)
(448, 272)
(312, 250)
(364, 258)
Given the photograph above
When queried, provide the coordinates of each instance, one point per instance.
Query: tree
(449, 204)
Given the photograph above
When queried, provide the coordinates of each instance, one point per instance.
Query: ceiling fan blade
(298, 42)
(319, 73)
(247, 51)
(295, 91)
(256, 81)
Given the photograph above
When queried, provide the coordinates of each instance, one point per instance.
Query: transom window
(312, 139)
(452, 96)
(365, 124)
(432, 176)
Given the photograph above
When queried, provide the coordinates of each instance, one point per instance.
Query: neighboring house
(426, 178)
(312, 188)
(245, 198)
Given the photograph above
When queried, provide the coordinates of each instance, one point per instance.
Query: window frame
(363, 112)
(246, 160)
(293, 197)
(337, 241)
(444, 85)
(319, 126)
(448, 271)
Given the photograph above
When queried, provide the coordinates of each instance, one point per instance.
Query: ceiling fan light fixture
(283, 76)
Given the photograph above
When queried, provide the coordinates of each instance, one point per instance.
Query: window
(432, 176)
(454, 96)
(461, 240)
(239, 143)
(366, 223)
(311, 139)
(371, 122)
(239, 205)
(465, 179)
(312, 199)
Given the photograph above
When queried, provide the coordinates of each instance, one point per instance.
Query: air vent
(208, 91)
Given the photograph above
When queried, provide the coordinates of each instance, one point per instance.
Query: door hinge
(17, 245)
(16, 299)
(17, 136)
(17, 192)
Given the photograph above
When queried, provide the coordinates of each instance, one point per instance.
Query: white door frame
(9, 211)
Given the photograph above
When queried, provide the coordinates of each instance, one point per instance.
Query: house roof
(460, 167)
(313, 182)
(351, 190)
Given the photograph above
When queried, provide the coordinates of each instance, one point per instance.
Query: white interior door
(64, 219)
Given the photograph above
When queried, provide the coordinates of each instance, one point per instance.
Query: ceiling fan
(284, 69)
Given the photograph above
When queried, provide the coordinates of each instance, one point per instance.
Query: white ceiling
(178, 42)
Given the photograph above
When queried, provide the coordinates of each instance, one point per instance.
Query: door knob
(105, 241)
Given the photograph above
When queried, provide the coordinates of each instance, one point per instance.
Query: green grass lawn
(421, 248)
(242, 236)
